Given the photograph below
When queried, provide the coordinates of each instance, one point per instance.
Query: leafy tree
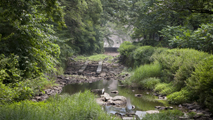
(181, 37)
(27, 44)
(82, 19)
(193, 6)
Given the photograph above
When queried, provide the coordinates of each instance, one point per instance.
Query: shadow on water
(146, 102)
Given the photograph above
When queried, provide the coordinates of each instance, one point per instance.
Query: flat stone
(152, 111)
(83, 67)
(140, 114)
(129, 118)
(44, 96)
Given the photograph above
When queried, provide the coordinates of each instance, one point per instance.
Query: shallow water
(144, 103)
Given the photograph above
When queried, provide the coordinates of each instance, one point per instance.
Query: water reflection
(144, 103)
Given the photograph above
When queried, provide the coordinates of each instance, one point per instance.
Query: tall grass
(81, 106)
(146, 71)
(149, 83)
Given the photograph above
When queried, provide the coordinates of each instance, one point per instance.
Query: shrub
(201, 81)
(159, 87)
(142, 55)
(179, 97)
(149, 83)
(146, 71)
(165, 88)
(178, 64)
(169, 89)
(126, 48)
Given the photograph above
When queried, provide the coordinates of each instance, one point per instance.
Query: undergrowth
(81, 106)
(185, 75)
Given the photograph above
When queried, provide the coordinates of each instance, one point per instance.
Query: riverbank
(49, 105)
(110, 70)
(182, 75)
(80, 106)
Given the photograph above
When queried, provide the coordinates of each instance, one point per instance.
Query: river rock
(118, 101)
(138, 95)
(129, 118)
(44, 96)
(106, 97)
(98, 91)
(115, 92)
(140, 114)
(152, 111)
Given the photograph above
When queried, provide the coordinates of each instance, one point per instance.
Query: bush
(178, 64)
(161, 86)
(81, 106)
(125, 50)
(179, 97)
(201, 82)
(146, 71)
(13, 85)
(149, 83)
(142, 55)
(169, 89)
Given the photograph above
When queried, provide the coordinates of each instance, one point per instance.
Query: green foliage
(180, 97)
(142, 55)
(146, 71)
(193, 6)
(80, 106)
(165, 88)
(160, 87)
(27, 46)
(201, 82)
(165, 115)
(178, 64)
(169, 89)
(126, 48)
(26, 34)
(149, 83)
(83, 33)
(182, 37)
(96, 57)
(191, 114)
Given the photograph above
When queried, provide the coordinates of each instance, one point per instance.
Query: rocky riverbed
(110, 71)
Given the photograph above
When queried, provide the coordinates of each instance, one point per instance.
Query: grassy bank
(81, 106)
(184, 75)
(97, 57)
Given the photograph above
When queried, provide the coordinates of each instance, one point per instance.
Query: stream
(146, 102)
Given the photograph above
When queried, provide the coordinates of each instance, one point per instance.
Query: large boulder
(106, 99)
